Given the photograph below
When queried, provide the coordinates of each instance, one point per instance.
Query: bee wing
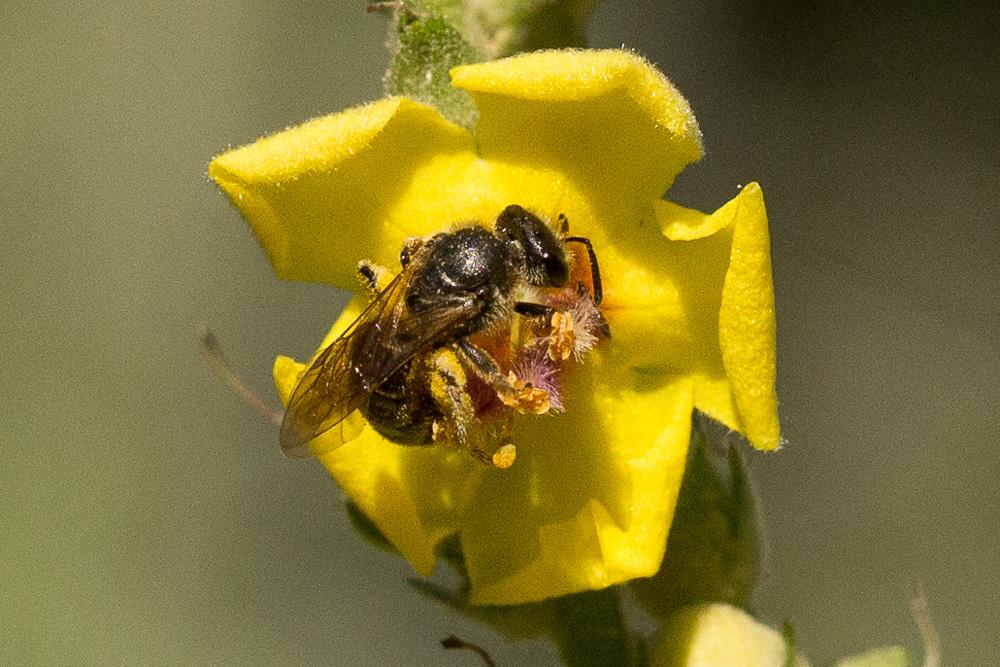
(377, 344)
(336, 384)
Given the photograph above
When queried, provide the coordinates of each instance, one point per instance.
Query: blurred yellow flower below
(718, 634)
(598, 136)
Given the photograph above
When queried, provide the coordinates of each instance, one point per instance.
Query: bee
(405, 362)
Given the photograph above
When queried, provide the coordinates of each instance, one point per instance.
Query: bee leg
(410, 248)
(563, 223)
(448, 390)
(595, 268)
(529, 309)
(509, 389)
(373, 277)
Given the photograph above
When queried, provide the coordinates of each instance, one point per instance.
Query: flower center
(545, 337)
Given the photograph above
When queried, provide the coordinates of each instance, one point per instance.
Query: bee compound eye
(556, 269)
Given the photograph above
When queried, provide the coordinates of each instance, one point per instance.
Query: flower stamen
(562, 340)
(525, 398)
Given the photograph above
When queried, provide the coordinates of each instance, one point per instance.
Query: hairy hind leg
(373, 277)
(511, 391)
(457, 426)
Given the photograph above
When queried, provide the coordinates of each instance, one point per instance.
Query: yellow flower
(598, 136)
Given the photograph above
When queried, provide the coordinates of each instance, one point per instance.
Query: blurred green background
(147, 515)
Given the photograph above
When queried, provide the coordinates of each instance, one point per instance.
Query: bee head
(539, 252)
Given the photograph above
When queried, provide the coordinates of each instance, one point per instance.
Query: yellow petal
(662, 300)
(728, 271)
(746, 321)
(414, 495)
(684, 224)
(589, 501)
(607, 119)
(346, 186)
(718, 634)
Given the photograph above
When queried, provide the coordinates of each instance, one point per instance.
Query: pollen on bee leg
(448, 390)
(562, 340)
(373, 277)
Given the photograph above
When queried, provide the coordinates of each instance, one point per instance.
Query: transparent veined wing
(377, 344)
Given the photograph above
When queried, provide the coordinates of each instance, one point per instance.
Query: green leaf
(426, 45)
(367, 529)
(588, 628)
(713, 552)
(887, 656)
(429, 37)
(500, 28)
(526, 621)
(791, 643)
(591, 630)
